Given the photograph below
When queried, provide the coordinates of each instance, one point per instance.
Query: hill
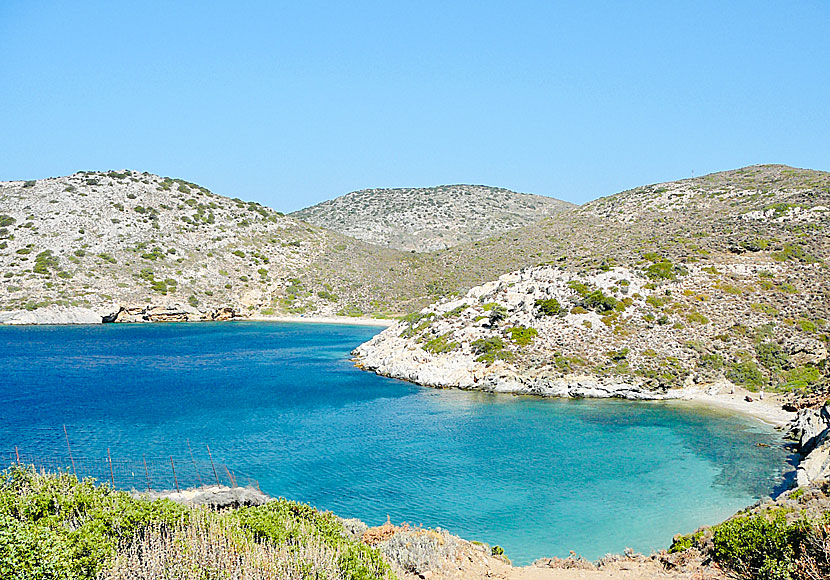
(98, 238)
(682, 284)
(431, 218)
(138, 240)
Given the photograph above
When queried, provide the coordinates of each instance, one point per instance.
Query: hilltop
(430, 218)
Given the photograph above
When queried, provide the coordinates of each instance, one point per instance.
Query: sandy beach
(768, 409)
(353, 320)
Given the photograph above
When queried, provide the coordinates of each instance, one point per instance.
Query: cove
(282, 401)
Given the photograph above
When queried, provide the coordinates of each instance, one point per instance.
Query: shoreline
(347, 320)
(768, 411)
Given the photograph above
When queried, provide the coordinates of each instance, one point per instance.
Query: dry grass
(211, 548)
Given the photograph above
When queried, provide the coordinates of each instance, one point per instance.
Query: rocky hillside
(134, 239)
(696, 284)
(168, 249)
(431, 218)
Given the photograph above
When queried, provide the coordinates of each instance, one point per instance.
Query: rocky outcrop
(51, 315)
(812, 428)
(214, 496)
(394, 357)
(168, 313)
(549, 332)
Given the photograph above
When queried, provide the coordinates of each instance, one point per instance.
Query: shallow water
(282, 403)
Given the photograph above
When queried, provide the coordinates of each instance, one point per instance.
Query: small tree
(497, 314)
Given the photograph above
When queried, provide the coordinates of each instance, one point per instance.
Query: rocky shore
(116, 313)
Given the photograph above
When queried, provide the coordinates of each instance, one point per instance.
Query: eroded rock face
(168, 313)
(813, 428)
(52, 315)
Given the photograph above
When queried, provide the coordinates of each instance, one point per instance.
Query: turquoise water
(283, 403)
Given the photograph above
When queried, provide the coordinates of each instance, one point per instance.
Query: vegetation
(522, 335)
(549, 307)
(55, 527)
(490, 350)
(440, 344)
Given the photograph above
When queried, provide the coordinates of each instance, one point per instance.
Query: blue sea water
(283, 403)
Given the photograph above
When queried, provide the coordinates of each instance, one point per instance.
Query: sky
(293, 103)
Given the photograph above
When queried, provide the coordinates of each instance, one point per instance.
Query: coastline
(769, 410)
(350, 320)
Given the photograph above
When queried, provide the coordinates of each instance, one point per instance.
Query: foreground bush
(56, 527)
(767, 546)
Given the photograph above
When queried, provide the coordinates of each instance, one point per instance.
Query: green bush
(497, 314)
(522, 335)
(490, 350)
(757, 547)
(599, 302)
(772, 356)
(54, 526)
(711, 361)
(664, 270)
(746, 374)
(549, 306)
(44, 262)
(579, 287)
(794, 252)
(440, 344)
(800, 379)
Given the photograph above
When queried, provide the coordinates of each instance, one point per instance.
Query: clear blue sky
(291, 103)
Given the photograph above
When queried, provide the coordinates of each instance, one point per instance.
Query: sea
(280, 406)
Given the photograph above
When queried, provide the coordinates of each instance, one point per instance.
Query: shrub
(664, 270)
(490, 350)
(757, 547)
(54, 526)
(807, 325)
(599, 302)
(794, 252)
(711, 361)
(746, 374)
(549, 306)
(6, 221)
(44, 262)
(456, 311)
(697, 317)
(772, 356)
(440, 344)
(579, 287)
(522, 335)
(497, 314)
(800, 378)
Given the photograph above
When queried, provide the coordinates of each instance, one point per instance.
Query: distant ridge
(430, 218)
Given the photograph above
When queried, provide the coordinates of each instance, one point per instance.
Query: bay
(282, 404)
